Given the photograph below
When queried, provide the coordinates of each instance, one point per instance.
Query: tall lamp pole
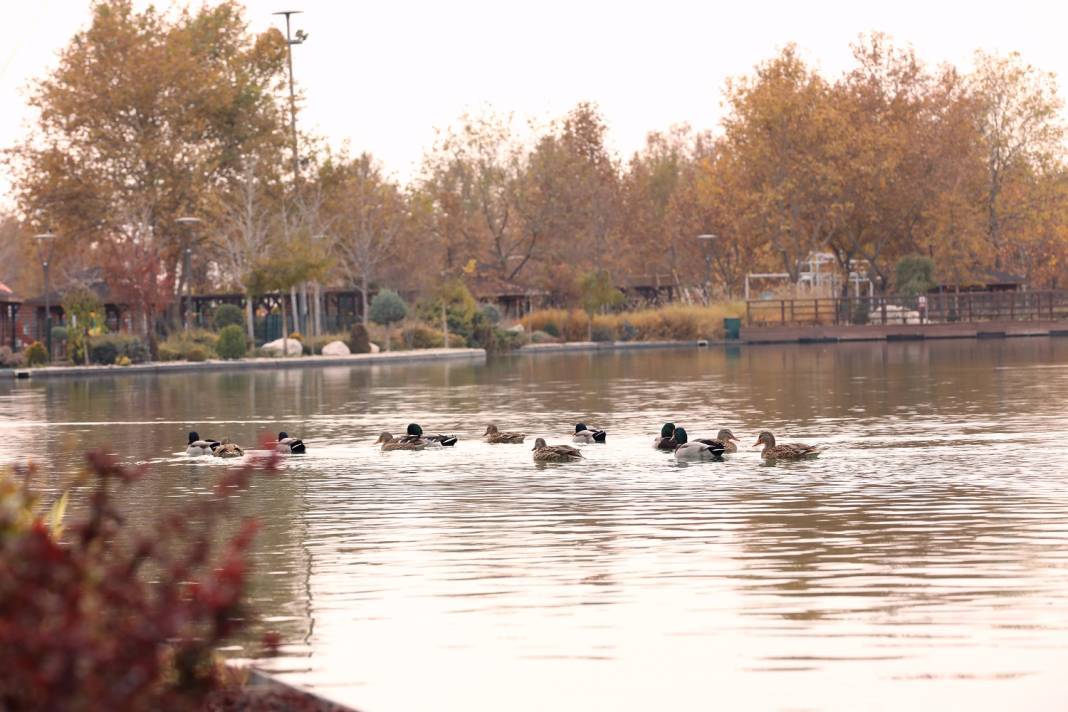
(707, 239)
(46, 245)
(295, 39)
(187, 265)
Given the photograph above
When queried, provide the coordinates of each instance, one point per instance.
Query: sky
(384, 76)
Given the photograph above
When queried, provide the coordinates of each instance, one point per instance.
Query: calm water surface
(921, 563)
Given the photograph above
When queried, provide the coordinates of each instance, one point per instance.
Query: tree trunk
(296, 307)
(285, 339)
(363, 299)
(389, 330)
(318, 310)
(249, 323)
(589, 327)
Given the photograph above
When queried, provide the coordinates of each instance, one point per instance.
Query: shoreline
(165, 367)
(750, 336)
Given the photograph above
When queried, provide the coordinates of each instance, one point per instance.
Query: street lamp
(187, 265)
(295, 39)
(46, 245)
(707, 239)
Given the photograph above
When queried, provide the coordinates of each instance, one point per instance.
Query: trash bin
(732, 327)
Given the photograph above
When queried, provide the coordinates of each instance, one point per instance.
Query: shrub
(227, 315)
(196, 353)
(232, 343)
(296, 336)
(490, 313)
(127, 615)
(36, 354)
(107, 349)
(359, 340)
(59, 334)
(542, 337)
(123, 360)
(551, 329)
(602, 332)
(421, 336)
(914, 274)
(194, 345)
(103, 351)
(675, 322)
(387, 308)
(167, 353)
(11, 359)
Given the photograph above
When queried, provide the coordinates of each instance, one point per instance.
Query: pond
(922, 561)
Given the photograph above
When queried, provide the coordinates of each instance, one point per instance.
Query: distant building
(9, 312)
(992, 280)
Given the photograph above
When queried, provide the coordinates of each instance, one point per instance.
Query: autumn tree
(779, 121)
(368, 215)
(1022, 132)
(148, 109)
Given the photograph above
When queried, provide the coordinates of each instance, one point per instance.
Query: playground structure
(819, 277)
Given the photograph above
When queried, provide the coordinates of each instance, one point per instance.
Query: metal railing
(941, 308)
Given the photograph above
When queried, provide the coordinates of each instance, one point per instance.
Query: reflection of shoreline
(385, 358)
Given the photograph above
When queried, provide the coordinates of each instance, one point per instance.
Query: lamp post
(187, 265)
(46, 244)
(707, 239)
(296, 39)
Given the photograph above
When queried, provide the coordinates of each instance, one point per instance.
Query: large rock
(336, 348)
(292, 347)
(374, 348)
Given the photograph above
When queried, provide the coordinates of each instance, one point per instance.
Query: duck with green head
(415, 434)
(696, 451)
(666, 440)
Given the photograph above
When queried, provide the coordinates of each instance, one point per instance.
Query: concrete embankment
(901, 332)
(159, 368)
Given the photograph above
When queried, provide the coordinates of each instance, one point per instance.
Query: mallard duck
(415, 434)
(554, 453)
(588, 435)
(666, 439)
(724, 438)
(388, 443)
(492, 435)
(198, 447)
(228, 449)
(288, 445)
(696, 450)
(786, 451)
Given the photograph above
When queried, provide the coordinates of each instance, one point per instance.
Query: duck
(288, 445)
(786, 451)
(198, 447)
(415, 434)
(389, 443)
(228, 449)
(725, 438)
(555, 453)
(696, 450)
(666, 439)
(588, 435)
(492, 435)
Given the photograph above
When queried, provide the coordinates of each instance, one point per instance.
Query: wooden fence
(941, 308)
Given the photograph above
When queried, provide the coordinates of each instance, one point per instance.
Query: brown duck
(494, 436)
(786, 451)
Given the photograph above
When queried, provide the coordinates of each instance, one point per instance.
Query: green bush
(232, 343)
(542, 337)
(227, 315)
(196, 353)
(627, 331)
(107, 349)
(421, 336)
(103, 351)
(914, 274)
(551, 329)
(387, 308)
(490, 313)
(36, 354)
(59, 334)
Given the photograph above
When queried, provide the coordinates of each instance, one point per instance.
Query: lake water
(920, 563)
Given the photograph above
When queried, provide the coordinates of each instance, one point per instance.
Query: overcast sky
(384, 75)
